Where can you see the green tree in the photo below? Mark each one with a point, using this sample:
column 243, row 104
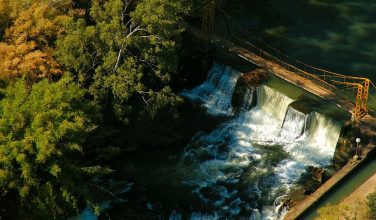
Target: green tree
column 128, row 55
column 371, row 203
column 42, row 129
column 356, row 210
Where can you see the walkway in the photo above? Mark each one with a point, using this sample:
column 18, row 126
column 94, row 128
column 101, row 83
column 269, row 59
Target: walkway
column 361, row 193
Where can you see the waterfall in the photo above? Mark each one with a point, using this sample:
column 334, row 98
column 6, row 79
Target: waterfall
column 248, row 98
column 243, row 166
column 322, row 131
column 216, row 92
column 317, row 145
column 293, row 124
column 273, row 102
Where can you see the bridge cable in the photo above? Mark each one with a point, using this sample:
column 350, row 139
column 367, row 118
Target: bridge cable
column 326, row 73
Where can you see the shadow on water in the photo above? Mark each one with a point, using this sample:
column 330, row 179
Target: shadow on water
column 337, row 36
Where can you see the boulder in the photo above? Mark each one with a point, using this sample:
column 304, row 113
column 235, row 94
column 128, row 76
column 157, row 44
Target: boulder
column 245, row 93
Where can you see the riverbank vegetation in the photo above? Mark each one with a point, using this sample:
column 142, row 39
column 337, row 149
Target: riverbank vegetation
column 358, row 210
column 81, row 81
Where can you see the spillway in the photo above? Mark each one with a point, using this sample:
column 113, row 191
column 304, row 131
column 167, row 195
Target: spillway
column 216, row 92
column 247, row 164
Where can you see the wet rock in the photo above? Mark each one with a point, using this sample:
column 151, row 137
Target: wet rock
column 213, row 193
column 245, row 95
column 317, row 174
column 254, row 78
column 223, row 147
column 312, row 179
column 285, row 204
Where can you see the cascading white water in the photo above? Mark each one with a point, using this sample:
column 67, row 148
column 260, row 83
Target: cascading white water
column 263, row 149
column 317, row 145
column 323, row 131
column 293, row 124
column 248, row 98
column 273, row 102
column 216, row 92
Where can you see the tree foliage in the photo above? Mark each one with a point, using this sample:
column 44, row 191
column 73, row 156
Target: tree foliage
column 42, row 129
column 127, row 53
column 358, row 210
column 121, row 54
column 371, row 203
column 28, row 47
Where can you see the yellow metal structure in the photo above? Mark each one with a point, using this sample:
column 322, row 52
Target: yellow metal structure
column 359, row 104
column 339, row 84
column 365, row 94
column 208, row 18
column 361, row 98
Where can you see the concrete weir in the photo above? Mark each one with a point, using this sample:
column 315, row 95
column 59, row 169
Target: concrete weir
column 287, row 73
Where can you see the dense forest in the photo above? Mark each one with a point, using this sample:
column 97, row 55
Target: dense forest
column 80, row 81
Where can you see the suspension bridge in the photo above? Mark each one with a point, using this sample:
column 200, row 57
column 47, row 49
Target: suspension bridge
column 351, row 93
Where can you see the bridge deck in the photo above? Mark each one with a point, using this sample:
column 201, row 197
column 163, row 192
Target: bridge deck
column 287, row 75
column 368, row 122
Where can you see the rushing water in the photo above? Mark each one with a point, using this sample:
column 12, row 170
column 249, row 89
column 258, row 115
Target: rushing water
column 246, row 165
column 248, row 97
column 216, row 92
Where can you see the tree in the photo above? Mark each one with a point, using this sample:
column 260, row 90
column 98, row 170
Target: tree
column 128, row 56
column 357, row 210
column 371, row 203
column 29, row 42
column 42, row 129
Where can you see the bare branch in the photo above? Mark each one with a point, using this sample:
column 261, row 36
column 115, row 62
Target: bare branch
column 138, row 28
column 118, row 59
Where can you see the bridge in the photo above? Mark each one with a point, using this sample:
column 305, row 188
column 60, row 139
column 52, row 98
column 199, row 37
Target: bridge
column 350, row 93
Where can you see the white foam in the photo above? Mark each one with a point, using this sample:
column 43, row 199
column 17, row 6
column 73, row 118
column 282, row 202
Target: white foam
column 309, row 140
column 216, row 92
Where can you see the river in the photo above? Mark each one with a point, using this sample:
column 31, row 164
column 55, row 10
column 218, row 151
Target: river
column 244, row 166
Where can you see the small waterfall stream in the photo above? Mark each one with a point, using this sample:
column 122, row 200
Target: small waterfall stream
column 249, row 96
column 273, row 102
column 216, row 92
column 244, row 166
column 293, row 124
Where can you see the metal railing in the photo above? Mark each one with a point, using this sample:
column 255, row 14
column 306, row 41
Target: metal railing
column 339, row 84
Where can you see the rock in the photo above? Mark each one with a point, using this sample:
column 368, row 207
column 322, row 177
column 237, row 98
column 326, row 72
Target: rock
column 317, row 174
column 312, row 179
column 245, row 93
column 254, row 78
column 285, row 204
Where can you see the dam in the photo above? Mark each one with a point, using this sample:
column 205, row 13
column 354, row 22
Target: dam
column 322, row 86
column 262, row 151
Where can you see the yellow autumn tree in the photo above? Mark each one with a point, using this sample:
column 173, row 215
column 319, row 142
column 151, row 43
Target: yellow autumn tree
column 27, row 47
